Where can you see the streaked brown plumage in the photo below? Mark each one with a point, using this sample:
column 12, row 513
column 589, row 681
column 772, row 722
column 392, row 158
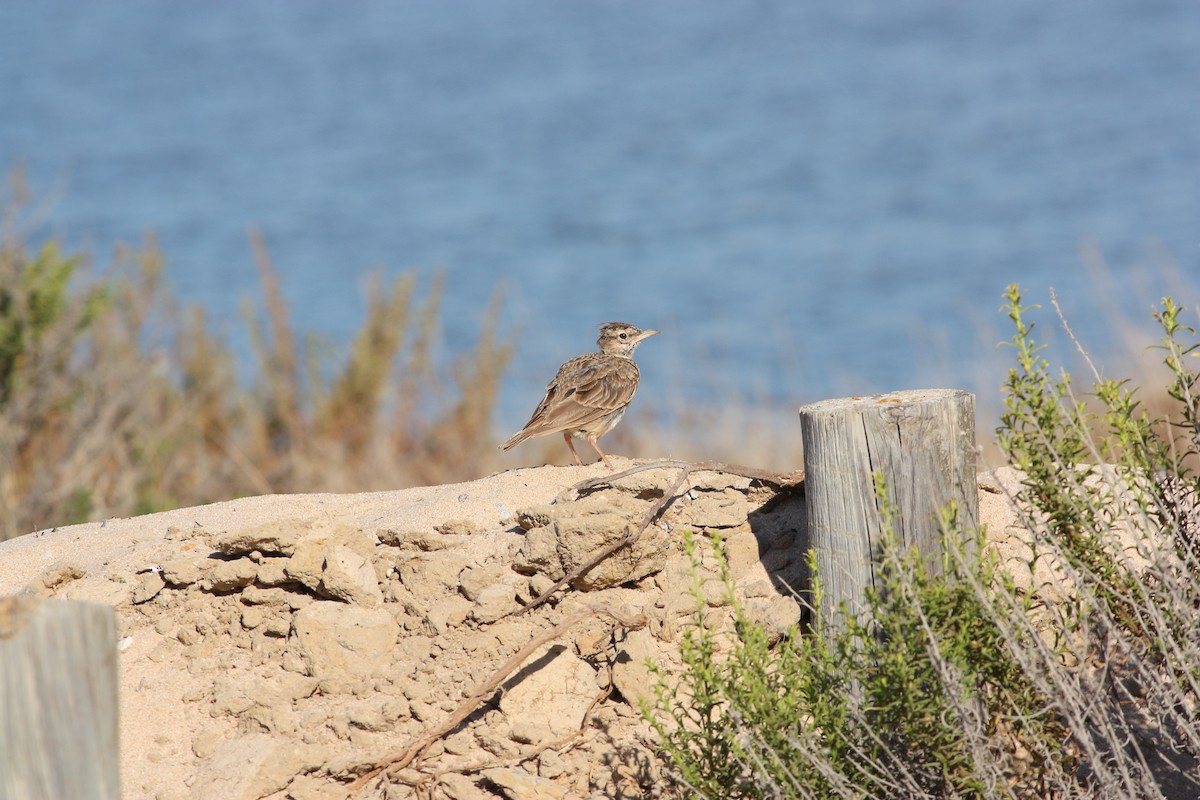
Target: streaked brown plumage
column 590, row 393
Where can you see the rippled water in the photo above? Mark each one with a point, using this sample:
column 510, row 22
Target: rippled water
column 809, row 199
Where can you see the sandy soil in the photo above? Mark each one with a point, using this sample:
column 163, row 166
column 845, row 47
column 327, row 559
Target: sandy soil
column 281, row 646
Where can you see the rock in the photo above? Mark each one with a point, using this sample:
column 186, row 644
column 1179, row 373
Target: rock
column 307, row 563
column 147, row 586
column 583, row 534
column 427, row 541
column 227, row 576
column 539, row 554
column 777, row 616
column 273, row 537
column 253, row 766
column 553, row 688
column 593, row 640
column 309, row 787
column 273, row 572
column 54, row 578
column 495, row 602
column 428, row 575
column 473, row 580
column 741, row 552
column 448, row 613
column 340, row 642
column 534, row 517
column 207, row 741
column 253, row 595
column 335, row 563
column 183, row 571
column 517, row 784
column 530, row 732
column 456, row 527
column 540, row 584
column 234, row 694
column 631, row 676
column 717, row 509
column 460, row 787
column 349, row 576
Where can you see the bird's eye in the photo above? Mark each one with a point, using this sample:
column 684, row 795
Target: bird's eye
column 623, row 335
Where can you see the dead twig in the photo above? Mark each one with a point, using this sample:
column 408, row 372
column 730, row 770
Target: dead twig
column 414, row 750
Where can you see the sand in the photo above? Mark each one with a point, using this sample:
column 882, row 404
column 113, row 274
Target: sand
column 280, row 646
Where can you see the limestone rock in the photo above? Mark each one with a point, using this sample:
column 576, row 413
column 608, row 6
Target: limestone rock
column 428, row 575
column 147, row 586
column 449, row 613
column 340, row 642
column 457, row 527
column 495, row 602
column 777, row 616
column 460, row 787
column 273, row 572
column 580, row 537
column 349, row 576
column 307, row 563
column 534, row 517
column 273, row 537
column 539, row 553
column 724, row 509
column 517, row 784
column 227, row 576
column 631, row 676
column 554, row 688
column 310, row 787
column 473, row 580
column 580, row 530
column 419, row 540
column 253, row 766
column 741, row 551
column 183, row 572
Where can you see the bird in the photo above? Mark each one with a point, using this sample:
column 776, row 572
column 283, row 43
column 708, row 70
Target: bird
column 590, row 393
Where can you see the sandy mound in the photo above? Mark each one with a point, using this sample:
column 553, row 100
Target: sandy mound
column 283, row 646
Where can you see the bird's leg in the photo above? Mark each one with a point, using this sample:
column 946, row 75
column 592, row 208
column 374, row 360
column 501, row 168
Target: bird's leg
column 570, row 444
column 592, row 441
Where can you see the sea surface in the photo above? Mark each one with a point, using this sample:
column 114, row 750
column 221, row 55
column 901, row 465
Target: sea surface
column 808, row 199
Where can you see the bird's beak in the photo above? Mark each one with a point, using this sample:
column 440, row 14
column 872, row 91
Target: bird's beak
column 646, row 335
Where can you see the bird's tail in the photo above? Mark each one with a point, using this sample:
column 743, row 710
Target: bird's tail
column 515, row 440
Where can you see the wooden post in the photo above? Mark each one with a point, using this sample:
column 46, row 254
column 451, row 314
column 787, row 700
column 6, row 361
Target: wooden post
column 58, row 700
column 923, row 442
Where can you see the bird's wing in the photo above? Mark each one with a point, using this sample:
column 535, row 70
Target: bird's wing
column 585, row 389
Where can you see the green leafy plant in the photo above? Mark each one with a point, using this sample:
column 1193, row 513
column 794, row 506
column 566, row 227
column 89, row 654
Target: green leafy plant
column 913, row 699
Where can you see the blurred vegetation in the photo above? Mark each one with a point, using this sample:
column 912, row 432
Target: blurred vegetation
column 114, row 400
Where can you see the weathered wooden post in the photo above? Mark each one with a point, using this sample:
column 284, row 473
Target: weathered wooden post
column 58, row 700
column 922, row 441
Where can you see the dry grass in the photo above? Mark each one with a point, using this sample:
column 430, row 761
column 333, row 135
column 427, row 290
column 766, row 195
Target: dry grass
column 115, row 401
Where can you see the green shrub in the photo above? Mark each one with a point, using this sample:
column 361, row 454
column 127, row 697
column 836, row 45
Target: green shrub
column 908, row 699
column 961, row 684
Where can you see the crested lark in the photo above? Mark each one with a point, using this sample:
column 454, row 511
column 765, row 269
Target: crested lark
column 590, row 393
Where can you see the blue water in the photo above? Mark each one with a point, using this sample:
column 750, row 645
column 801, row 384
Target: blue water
column 809, row 199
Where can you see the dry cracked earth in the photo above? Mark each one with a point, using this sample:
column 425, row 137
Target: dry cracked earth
column 294, row 655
